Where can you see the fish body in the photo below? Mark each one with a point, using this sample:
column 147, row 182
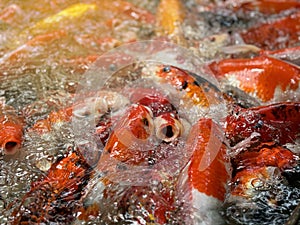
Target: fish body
column 271, row 123
column 267, row 35
column 263, row 78
column 203, row 184
column 58, row 193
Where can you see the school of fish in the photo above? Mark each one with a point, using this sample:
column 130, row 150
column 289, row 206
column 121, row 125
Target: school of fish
column 161, row 155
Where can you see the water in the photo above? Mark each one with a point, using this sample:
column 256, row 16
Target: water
column 272, row 204
column 41, row 76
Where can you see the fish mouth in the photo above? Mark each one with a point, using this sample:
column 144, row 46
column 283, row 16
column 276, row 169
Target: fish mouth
column 10, row 146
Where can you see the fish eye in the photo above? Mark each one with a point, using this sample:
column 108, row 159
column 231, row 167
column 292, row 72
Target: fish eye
column 259, row 124
column 166, row 69
column 256, row 183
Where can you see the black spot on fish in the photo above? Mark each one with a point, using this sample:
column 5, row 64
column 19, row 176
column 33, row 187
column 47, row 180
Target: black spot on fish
column 78, row 164
column 206, row 89
column 279, row 112
column 196, row 83
column 184, row 85
column 293, row 176
column 59, row 158
column 151, row 161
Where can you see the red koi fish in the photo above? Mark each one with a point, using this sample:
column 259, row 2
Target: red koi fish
column 268, row 36
column 271, row 123
column 56, row 197
column 267, row 6
column 11, row 130
column 264, row 78
column 148, row 121
column 95, row 106
column 131, row 134
column 136, row 140
column 259, row 184
column 203, row 185
column 167, row 125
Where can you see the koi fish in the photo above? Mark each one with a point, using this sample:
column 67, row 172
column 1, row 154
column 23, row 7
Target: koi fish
column 169, row 17
column 267, row 35
column 193, row 93
column 11, row 130
column 203, row 184
column 149, row 126
column 91, row 106
column 55, row 198
column 259, row 184
column 271, row 123
column 267, row 6
column 131, row 135
column 148, row 121
column 69, row 14
column 31, row 45
column 264, row 78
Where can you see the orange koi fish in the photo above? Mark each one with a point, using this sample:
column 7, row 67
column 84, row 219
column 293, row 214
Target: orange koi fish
column 264, row 78
column 169, row 18
column 193, row 93
column 259, row 184
column 11, row 130
column 203, row 185
column 267, row 35
column 55, row 198
column 95, row 106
